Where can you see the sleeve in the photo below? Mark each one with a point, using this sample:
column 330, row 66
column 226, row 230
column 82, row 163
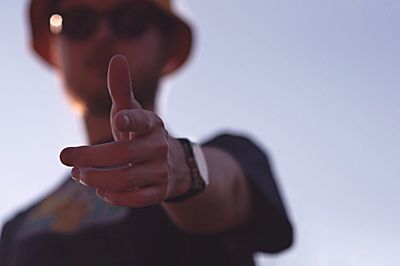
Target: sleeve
column 4, row 244
column 269, row 229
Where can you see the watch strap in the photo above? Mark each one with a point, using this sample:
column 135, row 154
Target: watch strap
column 198, row 184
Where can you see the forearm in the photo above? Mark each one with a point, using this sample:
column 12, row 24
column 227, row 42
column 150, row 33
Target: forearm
column 224, row 204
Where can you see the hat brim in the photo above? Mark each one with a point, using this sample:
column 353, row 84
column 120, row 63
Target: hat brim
column 182, row 35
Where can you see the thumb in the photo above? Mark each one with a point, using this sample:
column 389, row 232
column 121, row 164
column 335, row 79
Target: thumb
column 119, row 84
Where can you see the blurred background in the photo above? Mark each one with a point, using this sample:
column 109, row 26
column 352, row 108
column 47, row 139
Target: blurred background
column 314, row 82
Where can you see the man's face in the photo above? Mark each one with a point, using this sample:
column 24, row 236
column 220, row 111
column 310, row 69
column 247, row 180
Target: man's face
column 83, row 62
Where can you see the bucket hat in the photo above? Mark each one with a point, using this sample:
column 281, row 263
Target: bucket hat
column 40, row 32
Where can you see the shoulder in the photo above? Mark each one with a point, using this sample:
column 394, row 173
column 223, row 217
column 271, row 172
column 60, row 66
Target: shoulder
column 14, row 223
column 235, row 142
column 250, row 155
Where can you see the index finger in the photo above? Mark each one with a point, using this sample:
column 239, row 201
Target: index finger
column 119, row 84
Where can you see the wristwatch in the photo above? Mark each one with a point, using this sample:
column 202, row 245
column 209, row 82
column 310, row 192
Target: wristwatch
column 197, row 164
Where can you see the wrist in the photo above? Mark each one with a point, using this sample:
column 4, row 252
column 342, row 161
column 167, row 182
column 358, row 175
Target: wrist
column 180, row 180
column 197, row 165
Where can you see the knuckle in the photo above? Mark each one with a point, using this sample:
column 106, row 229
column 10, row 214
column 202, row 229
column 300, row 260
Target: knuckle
column 127, row 152
column 162, row 148
column 166, row 170
column 146, row 122
column 158, row 121
column 127, row 157
column 163, row 172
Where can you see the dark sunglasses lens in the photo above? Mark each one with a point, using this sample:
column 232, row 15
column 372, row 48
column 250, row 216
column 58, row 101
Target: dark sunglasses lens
column 130, row 22
column 79, row 23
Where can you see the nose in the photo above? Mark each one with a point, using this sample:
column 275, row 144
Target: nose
column 104, row 31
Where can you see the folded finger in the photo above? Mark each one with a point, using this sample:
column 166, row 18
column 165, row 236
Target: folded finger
column 119, row 179
column 138, row 121
column 139, row 198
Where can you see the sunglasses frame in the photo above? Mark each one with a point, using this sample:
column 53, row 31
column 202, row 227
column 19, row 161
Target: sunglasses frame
column 148, row 14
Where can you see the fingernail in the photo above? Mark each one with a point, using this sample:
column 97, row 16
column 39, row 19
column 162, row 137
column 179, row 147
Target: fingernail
column 106, row 195
column 101, row 192
column 75, row 174
column 82, row 181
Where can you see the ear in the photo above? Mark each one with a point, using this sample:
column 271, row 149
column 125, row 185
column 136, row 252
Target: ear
column 172, row 55
column 170, row 65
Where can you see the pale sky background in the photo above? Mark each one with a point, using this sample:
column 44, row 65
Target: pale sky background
column 314, row 82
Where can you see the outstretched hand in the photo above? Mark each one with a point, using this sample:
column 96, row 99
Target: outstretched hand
column 143, row 165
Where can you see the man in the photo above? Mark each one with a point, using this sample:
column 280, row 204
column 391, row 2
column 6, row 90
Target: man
column 141, row 196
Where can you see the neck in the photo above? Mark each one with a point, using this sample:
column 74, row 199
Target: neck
column 98, row 128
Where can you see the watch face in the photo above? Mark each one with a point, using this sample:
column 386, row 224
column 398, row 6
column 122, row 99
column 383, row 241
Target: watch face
column 201, row 162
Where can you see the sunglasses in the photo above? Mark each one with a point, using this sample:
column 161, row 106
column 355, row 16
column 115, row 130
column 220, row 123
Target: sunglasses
column 81, row 23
